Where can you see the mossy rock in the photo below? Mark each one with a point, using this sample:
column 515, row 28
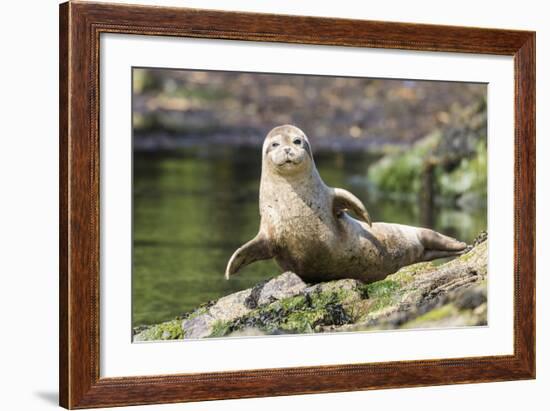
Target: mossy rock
column 300, row 314
column 170, row 330
column 417, row 296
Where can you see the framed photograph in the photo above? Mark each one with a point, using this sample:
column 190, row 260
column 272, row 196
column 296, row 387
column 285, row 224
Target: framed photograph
column 259, row 205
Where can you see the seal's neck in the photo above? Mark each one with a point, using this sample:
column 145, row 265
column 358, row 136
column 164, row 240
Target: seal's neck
column 277, row 190
column 302, row 180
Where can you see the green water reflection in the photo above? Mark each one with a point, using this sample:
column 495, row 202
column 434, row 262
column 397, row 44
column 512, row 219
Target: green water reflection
column 193, row 207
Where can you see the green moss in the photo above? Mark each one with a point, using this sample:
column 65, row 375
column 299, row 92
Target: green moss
column 385, row 292
column 380, row 304
column 220, row 328
column 289, row 304
column 302, row 321
column 479, row 249
column 381, row 289
column 298, row 314
column 436, row 314
column 345, row 294
column 406, row 274
column 170, row 330
column 322, row 299
column 380, row 293
column 199, row 311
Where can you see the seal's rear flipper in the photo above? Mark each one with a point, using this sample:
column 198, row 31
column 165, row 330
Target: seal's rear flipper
column 437, row 245
column 433, row 240
column 430, row 255
column 255, row 250
column 344, row 200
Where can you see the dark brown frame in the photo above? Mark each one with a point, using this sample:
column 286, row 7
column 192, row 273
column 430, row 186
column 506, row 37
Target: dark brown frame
column 80, row 27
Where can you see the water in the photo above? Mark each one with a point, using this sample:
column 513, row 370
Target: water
column 194, row 207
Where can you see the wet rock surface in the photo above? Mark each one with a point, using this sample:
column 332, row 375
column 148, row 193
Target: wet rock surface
column 425, row 295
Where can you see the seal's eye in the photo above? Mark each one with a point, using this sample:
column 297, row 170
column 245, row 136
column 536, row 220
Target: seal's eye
column 297, row 141
column 274, row 144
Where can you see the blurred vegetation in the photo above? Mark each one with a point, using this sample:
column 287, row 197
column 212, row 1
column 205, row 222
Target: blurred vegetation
column 197, row 161
column 450, row 164
column 400, row 172
column 171, row 106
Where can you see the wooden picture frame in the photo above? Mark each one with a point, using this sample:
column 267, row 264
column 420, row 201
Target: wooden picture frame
column 80, row 27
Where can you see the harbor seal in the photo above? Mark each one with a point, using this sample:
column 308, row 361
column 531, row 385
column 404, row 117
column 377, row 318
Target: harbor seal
column 306, row 228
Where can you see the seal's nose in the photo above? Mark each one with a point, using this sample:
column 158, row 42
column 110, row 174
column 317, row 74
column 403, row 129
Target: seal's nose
column 287, row 150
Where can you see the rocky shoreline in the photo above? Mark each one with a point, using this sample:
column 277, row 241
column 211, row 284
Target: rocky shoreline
column 424, row 295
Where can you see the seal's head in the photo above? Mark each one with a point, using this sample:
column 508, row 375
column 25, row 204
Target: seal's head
column 286, row 150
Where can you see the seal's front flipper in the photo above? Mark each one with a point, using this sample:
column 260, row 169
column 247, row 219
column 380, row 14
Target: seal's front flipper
column 255, row 250
column 344, row 200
